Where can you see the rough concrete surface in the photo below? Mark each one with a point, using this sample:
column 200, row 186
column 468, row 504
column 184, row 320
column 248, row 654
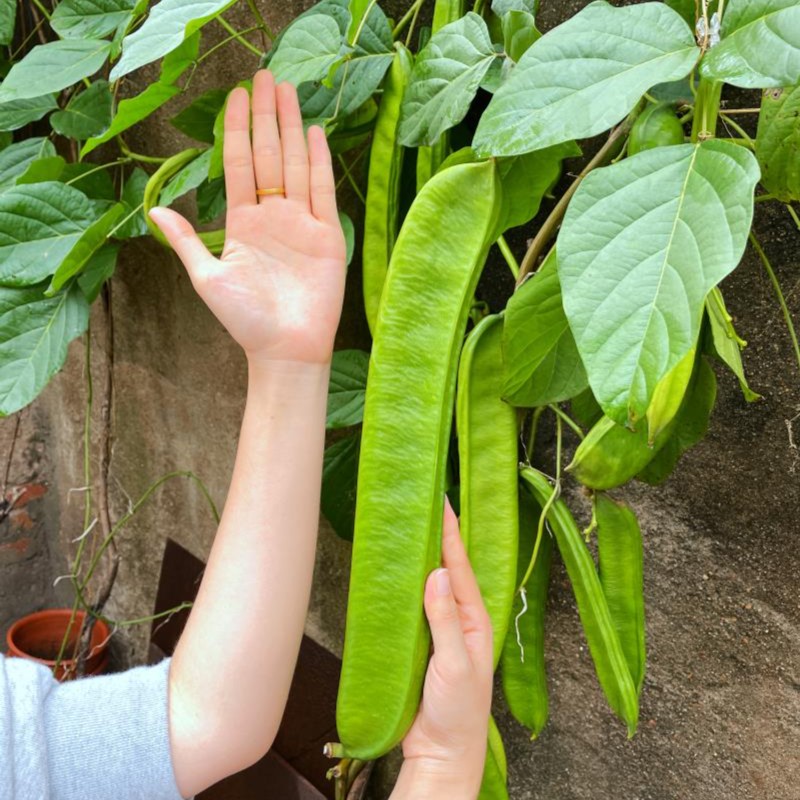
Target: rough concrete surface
column 721, row 703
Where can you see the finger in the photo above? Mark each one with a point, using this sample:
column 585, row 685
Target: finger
column 293, row 143
column 183, row 240
column 267, row 155
column 454, row 557
column 444, row 620
column 323, row 185
column 240, row 184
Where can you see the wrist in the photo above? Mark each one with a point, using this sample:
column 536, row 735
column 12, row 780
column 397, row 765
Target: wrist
column 433, row 778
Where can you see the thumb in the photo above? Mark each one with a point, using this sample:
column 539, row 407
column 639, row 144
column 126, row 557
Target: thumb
column 442, row 612
column 181, row 236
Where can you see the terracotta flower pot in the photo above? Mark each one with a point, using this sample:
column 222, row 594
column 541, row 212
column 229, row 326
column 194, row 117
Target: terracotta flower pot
column 38, row 637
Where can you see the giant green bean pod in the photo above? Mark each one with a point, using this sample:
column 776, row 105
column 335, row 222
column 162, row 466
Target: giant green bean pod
column 487, row 453
column 429, row 159
column 408, row 410
column 381, row 218
column 604, row 645
column 619, row 551
column 524, row 674
column 495, row 771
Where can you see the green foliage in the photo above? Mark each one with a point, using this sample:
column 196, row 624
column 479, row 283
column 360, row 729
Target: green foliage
column 16, row 114
column 17, row 158
column 87, row 113
column 348, row 382
column 778, row 142
column 90, row 19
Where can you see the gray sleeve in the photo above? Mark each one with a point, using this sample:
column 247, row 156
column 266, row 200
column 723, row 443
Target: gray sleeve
column 104, row 737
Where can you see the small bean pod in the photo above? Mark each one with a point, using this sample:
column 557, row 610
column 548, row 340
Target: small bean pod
column 604, row 645
column 657, row 126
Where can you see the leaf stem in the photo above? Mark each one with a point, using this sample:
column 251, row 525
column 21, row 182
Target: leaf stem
column 352, row 180
column 559, row 412
column 262, row 23
column 706, row 110
column 97, row 169
column 762, row 198
column 138, row 156
column 779, row 292
column 615, row 139
column 508, row 256
column 223, row 43
column 407, row 17
column 738, row 128
column 41, row 8
column 793, row 215
column 238, row 36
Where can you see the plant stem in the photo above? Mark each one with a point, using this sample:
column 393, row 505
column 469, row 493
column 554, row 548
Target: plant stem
column 352, row 166
column 762, row 198
column 138, row 156
column 352, row 180
column 615, row 139
column 779, row 292
column 559, row 412
column 97, row 169
column 238, row 36
column 45, row 13
column 407, row 17
column 361, row 23
column 262, row 23
column 477, row 8
column 224, row 42
column 738, row 128
column 508, row 256
column 125, row 219
column 793, row 215
column 532, row 435
column 740, row 111
column 412, row 26
column 706, row 110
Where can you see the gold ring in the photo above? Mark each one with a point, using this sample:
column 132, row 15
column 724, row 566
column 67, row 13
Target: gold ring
column 265, row 192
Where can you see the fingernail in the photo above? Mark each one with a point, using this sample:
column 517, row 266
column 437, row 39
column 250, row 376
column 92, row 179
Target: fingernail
column 442, row 583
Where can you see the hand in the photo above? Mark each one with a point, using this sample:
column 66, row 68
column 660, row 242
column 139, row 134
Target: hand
column 279, row 284
column 446, row 745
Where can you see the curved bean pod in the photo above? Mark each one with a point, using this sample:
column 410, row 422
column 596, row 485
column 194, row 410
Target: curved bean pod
column 487, row 449
column 434, row 269
column 495, row 772
column 604, row 645
column 381, row 218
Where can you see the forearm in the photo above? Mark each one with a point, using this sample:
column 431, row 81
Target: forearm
column 233, row 666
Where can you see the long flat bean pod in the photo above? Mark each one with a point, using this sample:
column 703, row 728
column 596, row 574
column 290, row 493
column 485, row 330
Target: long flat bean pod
column 487, row 449
column 619, row 551
column 429, row 159
column 495, row 771
column 604, row 645
column 408, row 409
column 523, row 673
column 381, row 217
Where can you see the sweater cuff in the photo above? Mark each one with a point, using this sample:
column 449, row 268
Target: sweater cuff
column 109, row 736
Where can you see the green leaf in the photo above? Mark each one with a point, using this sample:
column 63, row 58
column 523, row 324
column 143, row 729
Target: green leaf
column 39, row 224
column 85, row 177
column 87, row 114
column 503, row 7
column 760, row 45
column 527, row 179
column 169, row 23
column 725, row 343
column 691, row 425
column 584, row 76
column 8, row 15
column 445, row 79
column 43, row 169
column 541, row 360
column 35, row 332
column 89, row 19
column 519, row 33
column 778, row 142
column 642, row 244
column 210, row 199
column 54, row 66
column 349, row 236
column 17, row 158
column 85, row 248
column 357, row 9
column 190, row 177
column 197, row 119
column 97, row 271
column 686, row 8
column 135, row 109
column 348, row 382
column 339, row 480
column 133, row 198
column 15, row 114
column 308, row 49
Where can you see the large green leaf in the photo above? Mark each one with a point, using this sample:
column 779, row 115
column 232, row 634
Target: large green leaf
column 43, row 169
column 339, row 484
column 39, row 224
column 308, row 49
column 8, row 15
column 86, row 247
column 584, row 76
column 15, row 114
column 541, row 361
column 778, row 142
column 87, row 114
column 502, row 7
column 17, row 158
column 642, row 244
column 348, row 382
column 169, row 23
column 197, row 119
column 89, row 19
column 445, row 79
column 133, row 200
column 98, row 270
column 35, row 332
column 135, row 109
column 54, row 66
column 760, row 45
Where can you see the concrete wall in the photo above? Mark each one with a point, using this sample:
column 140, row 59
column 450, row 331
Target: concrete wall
column 721, row 704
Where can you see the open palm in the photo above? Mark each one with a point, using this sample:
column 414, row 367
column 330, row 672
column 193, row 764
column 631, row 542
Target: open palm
column 279, row 283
